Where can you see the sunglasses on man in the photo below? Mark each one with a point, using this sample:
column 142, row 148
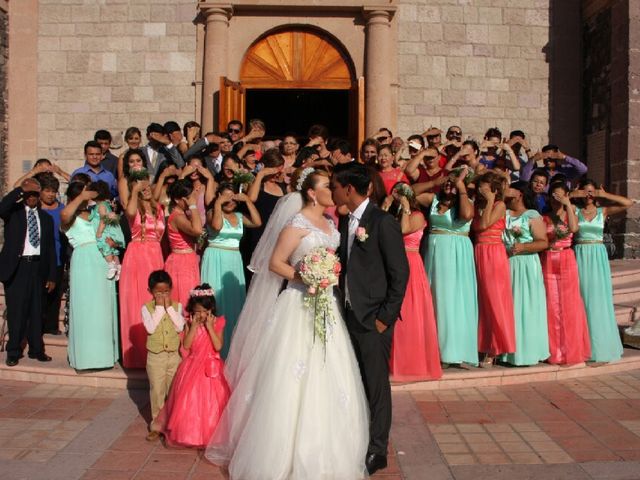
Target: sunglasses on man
column 233, row 130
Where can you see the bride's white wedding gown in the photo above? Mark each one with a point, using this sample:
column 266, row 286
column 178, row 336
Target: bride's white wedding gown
column 298, row 411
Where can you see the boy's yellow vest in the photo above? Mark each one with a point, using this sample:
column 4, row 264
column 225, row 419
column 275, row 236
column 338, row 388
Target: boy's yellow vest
column 165, row 338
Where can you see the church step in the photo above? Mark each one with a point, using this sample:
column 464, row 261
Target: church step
column 625, row 271
column 629, row 294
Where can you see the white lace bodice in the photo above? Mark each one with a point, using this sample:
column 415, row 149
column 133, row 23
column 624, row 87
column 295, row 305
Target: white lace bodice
column 315, row 238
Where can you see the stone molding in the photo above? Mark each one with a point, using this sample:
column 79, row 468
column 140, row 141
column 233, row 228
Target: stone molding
column 316, row 5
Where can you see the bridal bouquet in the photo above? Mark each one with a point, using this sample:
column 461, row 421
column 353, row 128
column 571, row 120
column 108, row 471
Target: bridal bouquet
column 111, row 218
column 319, row 270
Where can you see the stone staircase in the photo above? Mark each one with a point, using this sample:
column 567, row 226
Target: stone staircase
column 626, row 298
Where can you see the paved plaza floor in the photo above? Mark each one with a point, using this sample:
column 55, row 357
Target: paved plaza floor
column 574, row 429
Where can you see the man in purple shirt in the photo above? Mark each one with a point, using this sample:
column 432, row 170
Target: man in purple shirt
column 93, row 167
column 555, row 162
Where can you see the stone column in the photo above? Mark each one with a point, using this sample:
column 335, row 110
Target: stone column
column 377, row 69
column 215, row 59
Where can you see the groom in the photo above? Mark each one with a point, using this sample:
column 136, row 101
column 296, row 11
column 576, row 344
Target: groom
column 373, row 281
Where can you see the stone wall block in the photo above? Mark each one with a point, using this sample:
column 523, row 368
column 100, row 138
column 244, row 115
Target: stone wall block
column 181, row 62
column 477, row 34
column 538, row 17
column 490, row 15
column 430, row 32
column 114, row 13
column 70, row 44
column 130, row 62
column 498, row 35
column 410, row 32
column 54, row 14
column 531, row 100
column 452, row 14
column 428, row 110
column 516, row 68
column 434, row 66
column 156, row 29
column 432, row 97
column 48, row 93
column 519, row 36
column 47, row 44
column 85, row 13
column 460, row 83
column 52, row 62
column 163, row 13
column 408, row 64
column 453, row 97
column 455, row 33
column 475, row 67
column 429, row 14
column 455, row 65
column 446, row 111
column 482, row 50
column 413, row 48
column 142, row 107
column 173, row 93
column 477, row 97
column 514, row 16
column 408, row 12
column 470, row 14
column 413, row 96
column 139, row 13
column 122, row 94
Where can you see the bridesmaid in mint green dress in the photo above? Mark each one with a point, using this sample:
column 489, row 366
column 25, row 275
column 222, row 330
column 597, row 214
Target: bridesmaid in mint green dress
column 222, row 266
column 594, row 270
column 451, row 269
column 93, row 317
column 525, row 236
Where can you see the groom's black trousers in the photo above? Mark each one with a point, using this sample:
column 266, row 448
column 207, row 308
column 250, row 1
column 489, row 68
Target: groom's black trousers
column 373, row 351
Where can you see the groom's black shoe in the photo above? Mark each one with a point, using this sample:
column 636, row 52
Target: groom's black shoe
column 375, row 462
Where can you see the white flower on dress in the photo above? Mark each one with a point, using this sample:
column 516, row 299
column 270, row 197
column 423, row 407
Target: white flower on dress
column 299, row 369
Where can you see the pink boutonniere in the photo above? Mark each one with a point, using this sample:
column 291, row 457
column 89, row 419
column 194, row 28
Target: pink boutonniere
column 361, row 234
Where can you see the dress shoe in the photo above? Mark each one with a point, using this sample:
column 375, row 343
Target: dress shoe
column 42, row 357
column 153, row 436
column 11, row 361
column 375, row 462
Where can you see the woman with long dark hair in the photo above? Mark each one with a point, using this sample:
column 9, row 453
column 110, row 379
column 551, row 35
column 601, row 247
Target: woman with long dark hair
column 594, row 269
column 524, row 237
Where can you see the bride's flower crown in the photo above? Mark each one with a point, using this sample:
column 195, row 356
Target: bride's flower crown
column 202, row 293
column 303, row 176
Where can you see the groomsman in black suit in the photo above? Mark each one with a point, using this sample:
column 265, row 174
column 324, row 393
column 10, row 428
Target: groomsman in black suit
column 28, row 260
column 373, row 279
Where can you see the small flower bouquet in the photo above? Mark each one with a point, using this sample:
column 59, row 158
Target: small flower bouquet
column 516, row 232
column 560, row 231
column 139, row 174
column 319, row 270
column 111, row 218
column 404, row 190
column 468, row 178
column 242, row 179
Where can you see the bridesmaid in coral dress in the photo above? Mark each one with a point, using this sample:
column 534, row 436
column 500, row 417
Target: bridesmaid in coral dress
column 415, row 354
column 496, row 324
column 199, row 391
column 143, row 256
column 183, row 264
column 567, row 319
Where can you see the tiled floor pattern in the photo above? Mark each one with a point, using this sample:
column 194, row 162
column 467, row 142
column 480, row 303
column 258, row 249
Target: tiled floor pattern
column 37, row 421
column 594, row 419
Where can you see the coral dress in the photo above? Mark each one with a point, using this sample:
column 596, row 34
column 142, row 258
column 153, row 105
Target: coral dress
column 529, row 299
column 452, row 274
column 183, row 264
column 222, row 269
column 199, row 394
column 496, row 324
column 391, row 177
column 596, row 289
column 566, row 316
column 415, row 354
column 143, row 256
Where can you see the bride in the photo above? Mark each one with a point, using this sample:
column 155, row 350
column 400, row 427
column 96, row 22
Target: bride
column 298, row 408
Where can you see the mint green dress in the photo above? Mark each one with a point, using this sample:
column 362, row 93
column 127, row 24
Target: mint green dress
column 529, row 297
column 451, row 269
column 93, row 310
column 222, row 268
column 595, row 286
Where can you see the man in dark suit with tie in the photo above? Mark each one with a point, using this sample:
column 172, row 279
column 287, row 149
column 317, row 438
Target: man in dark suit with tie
column 159, row 149
column 373, row 280
column 28, row 260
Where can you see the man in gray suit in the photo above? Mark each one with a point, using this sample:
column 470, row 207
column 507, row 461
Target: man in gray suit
column 159, row 149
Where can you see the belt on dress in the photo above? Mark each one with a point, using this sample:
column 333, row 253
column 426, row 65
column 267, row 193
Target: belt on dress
column 480, row 242
column 85, row 243
column 144, row 240
column 587, row 242
column 444, row 232
column 30, row 258
column 412, row 249
column 182, row 250
column 556, row 249
column 222, row 247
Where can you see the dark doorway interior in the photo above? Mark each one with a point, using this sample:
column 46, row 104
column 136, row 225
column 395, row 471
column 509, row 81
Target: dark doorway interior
column 287, row 111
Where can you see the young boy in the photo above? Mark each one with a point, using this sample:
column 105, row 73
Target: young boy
column 163, row 320
column 51, row 300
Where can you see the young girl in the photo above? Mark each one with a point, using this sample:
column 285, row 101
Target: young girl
column 108, row 232
column 199, row 392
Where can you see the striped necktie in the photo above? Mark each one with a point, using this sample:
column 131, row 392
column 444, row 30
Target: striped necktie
column 32, row 228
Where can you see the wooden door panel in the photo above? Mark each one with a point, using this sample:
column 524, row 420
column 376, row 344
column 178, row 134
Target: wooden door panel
column 295, row 59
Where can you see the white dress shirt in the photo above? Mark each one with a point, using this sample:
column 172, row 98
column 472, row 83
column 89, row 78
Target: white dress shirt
column 354, row 223
column 152, row 320
column 28, row 248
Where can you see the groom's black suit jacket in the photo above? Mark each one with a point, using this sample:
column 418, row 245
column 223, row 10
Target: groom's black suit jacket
column 377, row 269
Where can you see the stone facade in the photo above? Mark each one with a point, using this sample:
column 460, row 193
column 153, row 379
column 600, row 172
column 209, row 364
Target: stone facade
column 111, row 64
column 477, row 64
column 4, row 56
